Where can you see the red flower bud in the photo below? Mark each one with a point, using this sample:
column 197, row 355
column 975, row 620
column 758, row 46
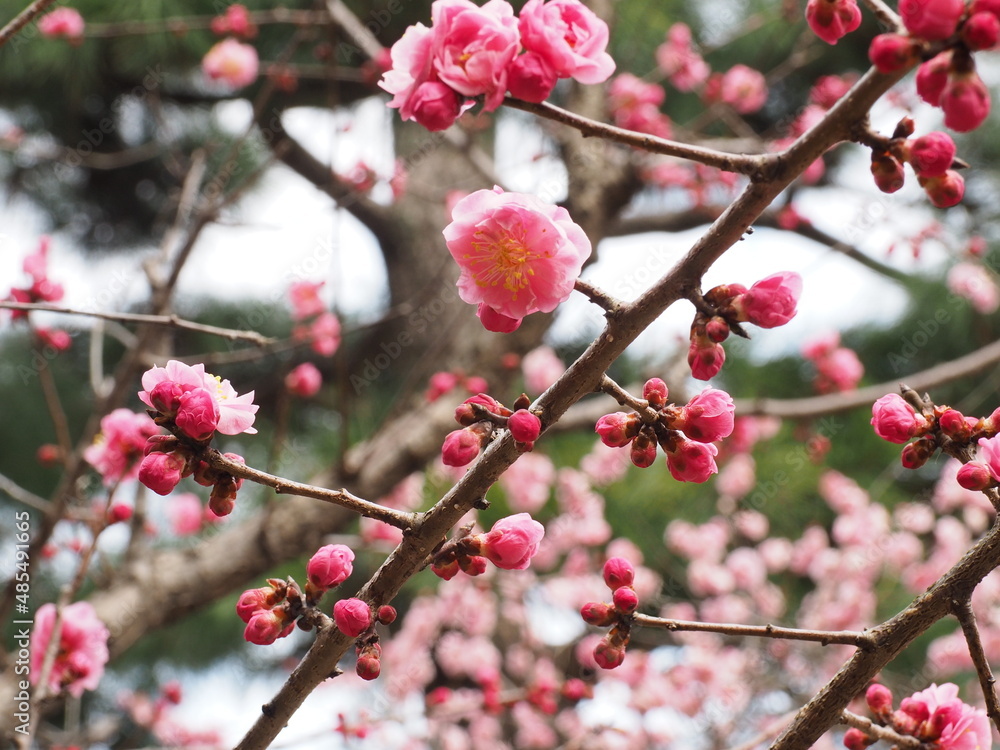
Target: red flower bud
column 608, row 656
column 974, row 476
column 598, row 613
column 655, row 392
column 892, row 52
column 932, row 155
column 888, row 172
column 524, row 426
column 879, row 699
column 855, row 739
column 618, row 572
column 944, row 191
column 981, row 31
column 625, row 600
column 353, row 616
column 643, row 452
column 386, row 614
column 368, row 667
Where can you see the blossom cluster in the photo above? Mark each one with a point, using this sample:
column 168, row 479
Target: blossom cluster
column 445, row 381
column 837, row 367
column 935, row 716
column 619, row 575
column 943, row 33
column 518, row 254
column 769, row 303
column 230, row 61
column 119, row 446
column 193, row 405
column 313, row 321
column 472, row 51
column 509, row 545
column 895, row 419
column 686, row 433
column 480, row 415
column 80, row 654
column 931, row 156
column 40, row 290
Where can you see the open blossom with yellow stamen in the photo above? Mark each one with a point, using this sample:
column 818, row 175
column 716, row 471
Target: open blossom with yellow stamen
column 518, row 255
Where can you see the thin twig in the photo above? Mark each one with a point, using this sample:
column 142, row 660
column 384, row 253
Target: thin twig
column 22, row 19
column 825, row 637
column 23, row 496
column 598, row 296
column 747, row 164
column 343, row 498
column 179, row 25
column 54, row 405
column 171, row 321
column 967, row 619
column 877, row 731
column 885, row 15
column 352, row 26
column 625, row 398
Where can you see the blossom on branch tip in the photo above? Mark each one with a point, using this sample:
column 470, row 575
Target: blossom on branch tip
column 518, row 254
column 330, row 566
column 895, row 420
column 707, row 417
column 524, row 426
column 618, row 572
column 770, row 302
column 353, row 616
column 161, row 472
column 569, row 36
column 164, row 387
column 692, row 461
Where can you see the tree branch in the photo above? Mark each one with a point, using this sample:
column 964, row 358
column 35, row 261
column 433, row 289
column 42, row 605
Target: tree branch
column 824, row 637
column 967, row 619
column 22, row 19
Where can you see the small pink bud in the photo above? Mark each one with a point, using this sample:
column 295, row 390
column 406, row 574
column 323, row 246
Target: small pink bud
column 304, row 381
column 618, row 572
column 353, row 616
column 472, row 565
column 253, row 601
column 513, row 541
column 894, row 419
column 165, row 397
column 530, row 78
column 625, row 599
column 386, row 614
column 717, row 329
column 197, row 414
column 161, row 472
column 524, row 426
column 981, row 31
column 330, row 566
column 965, row 101
column 888, row 172
column 879, row 699
column 770, row 302
column 932, row 155
column 985, row 6
column 368, row 667
column 608, row 656
column 932, row 77
column 931, row 19
column 461, row 447
column 832, row 19
column 705, row 358
column 598, row 614
column 265, row 627
column 618, row 430
column 916, row 453
column 643, row 451
column 691, row 461
column 707, row 417
column 892, row 52
column 974, row 476
column 575, row 689
column 446, row 570
column 855, row 739
column 945, row 191
column 916, row 709
column 119, row 512
column 439, row 384
column 953, row 424
column 655, row 392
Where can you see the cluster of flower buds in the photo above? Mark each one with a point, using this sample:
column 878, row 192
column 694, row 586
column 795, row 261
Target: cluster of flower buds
column 706, row 418
column 944, row 34
column 832, row 19
column 479, row 416
column 235, row 21
column 769, row 303
column 931, row 156
column 445, row 381
column 618, row 575
column 934, row 716
column 313, row 321
column 898, row 420
column 509, row 545
column 167, row 461
column 41, row 289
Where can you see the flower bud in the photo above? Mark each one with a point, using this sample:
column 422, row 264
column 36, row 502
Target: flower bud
column 472, row 565
column 265, row 627
column 892, row 52
column 974, row 476
column 619, row 429
column 608, row 656
column 445, row 570
column 330, row 566
column 932, row 155
column 304, row 381
column 513, row 541
column 894, row 419
column 931, row 19
column 855, row 739
column 717, row 329
column 643, row 452
column 916, row 453
column 705, row 358
column 945, row 191
column 707, row 417
column 524, row 426
column 161, row 472
column 253, row 601
column 461, row 447
column 691, row 461
column 575, row 689
column 953, row 424
column 932, row 77
column 965, row 101
column 981, row 31
column 368, row 667
column 530, row 78
column 598, row 613
column 655, row 392
column 618, row 572
column 353, row 616
column 879, row 699
column 888, row 172
column 625, row 599
column 770, row 302
column 386, row 614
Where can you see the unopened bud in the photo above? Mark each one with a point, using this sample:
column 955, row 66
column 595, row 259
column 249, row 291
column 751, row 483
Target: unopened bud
column 368, row 667
column 575, row 689
column 524, row 426
column 386, row 614
column 617, row 430
column 625, row 600
column 608, row 656
column 916, row 453
column 655, row 392
column 879, row 699
column 855, row 739
column 717, row 330
column 598, row 614
column 472, row 565
column 618, row 572
column 974, row 476
column 953, row 424
column 643, row 453
column 888, row 172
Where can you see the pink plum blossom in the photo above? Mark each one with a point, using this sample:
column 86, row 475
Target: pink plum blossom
column 161, row 472
column 894, row 419
column 330, row 566
column 304, row 381
column 524, row 426
column 266, row 626
column 185, row 514
column 708, row 416
column 958, row 726
column 635, row 105
column 530, row 78
column 413, row 82
column 692, row 461
column 118, row 448
column 163, row 388
column 512, row 541
column 305, row 300
column 569, row 37
column 353, row 616
column 973, row 282
column 989, row 454
column 677, row 60
column 965, row 101
column 931, row 19
column 743, row 88
column 518, row 255
column 542, row 367
column 231, row 62
column 62, row 22
column 473, row 46
column 82, row 650
column 771, row 302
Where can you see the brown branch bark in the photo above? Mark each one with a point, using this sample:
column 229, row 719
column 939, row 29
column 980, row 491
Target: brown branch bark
column 824, row 637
